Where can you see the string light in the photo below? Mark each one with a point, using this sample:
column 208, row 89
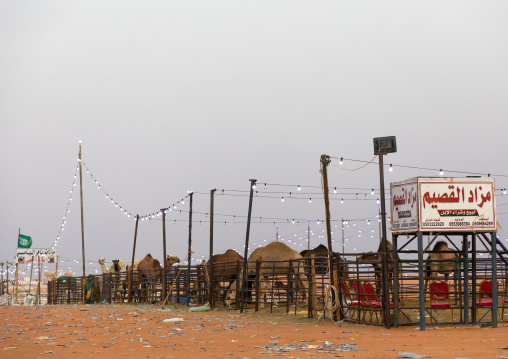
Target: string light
column 441, row 172
column 340, row 162
column 391, row 168
column 299, row 188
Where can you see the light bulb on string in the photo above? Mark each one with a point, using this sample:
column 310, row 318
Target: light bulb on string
column 441, row 172
column 310, row 200
column 282, row 199
column 340, row 162
column 289, row 194
column 391, row 168
column 222, row 191
column 256, row 193
column 335, row 190
column 372, row 192
column 299, row 188
column 265, row 185
column 342, row 200
column 254, row 186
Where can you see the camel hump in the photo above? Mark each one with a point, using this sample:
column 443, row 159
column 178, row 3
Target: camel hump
column 149, row 255
column 441, row 246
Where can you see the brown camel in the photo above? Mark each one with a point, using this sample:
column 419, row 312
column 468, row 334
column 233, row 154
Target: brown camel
column 150, row 274
column 440, row 253
column 377, row 263
column 274, row 259
column 224, row 270
column 321, row 264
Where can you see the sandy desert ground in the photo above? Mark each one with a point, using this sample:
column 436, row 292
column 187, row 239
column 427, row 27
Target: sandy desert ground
column 139, row 331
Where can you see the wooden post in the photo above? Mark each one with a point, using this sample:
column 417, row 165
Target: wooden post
column 189, row 259
column 132, row 263
column 38, row 290
column 257, row 286
column 325, row 160
column 313, row 287
column 211, row 300
column 244, row 277
column 17, row 281
column 81, row 200
column 164, row 271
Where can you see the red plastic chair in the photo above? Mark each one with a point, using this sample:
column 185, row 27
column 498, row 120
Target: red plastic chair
column 373, row 298
column 439, row 292
column 356, row 294
column 348, row 302
column 484, row 295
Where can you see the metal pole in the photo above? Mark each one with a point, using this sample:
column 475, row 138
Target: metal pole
column 473, row 278
column 325, row 160
column 82, row 223
column 493, row 240
column 132, row 262
column 465, row 264
column 386, row 294
column 308, row 236
column 421, row 284
column 164, row 271
column 2, row 287
column 395, row 283
column 210, row 269
column 7, row 267
column 246, row 254
column 343, row 247
column 190, row 249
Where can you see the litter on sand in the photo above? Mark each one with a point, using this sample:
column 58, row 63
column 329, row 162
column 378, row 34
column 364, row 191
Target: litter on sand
column 413, row 355
column 172, row 320
column 200, row 309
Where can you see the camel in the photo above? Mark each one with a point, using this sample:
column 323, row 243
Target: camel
column 274, row 259
column 224, row 270
column 321, row 265
column 149, row 269
column 376, row 259
column 440, row 252
column 150, row 273
column 117, row 268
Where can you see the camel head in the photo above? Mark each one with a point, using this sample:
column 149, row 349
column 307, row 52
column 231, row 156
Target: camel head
column 116, row 263
column 102, row 261
column 170, row 260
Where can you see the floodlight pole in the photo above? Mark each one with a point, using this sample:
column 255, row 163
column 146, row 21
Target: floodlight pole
column 386, row 294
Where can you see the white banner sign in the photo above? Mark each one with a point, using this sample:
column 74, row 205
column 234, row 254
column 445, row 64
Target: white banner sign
column 457, row 204
column 27, row 255
column 404, row 206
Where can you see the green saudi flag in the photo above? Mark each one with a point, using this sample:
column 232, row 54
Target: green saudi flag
column 24, row 241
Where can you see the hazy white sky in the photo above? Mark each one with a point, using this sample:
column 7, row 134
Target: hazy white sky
column 193, row 95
